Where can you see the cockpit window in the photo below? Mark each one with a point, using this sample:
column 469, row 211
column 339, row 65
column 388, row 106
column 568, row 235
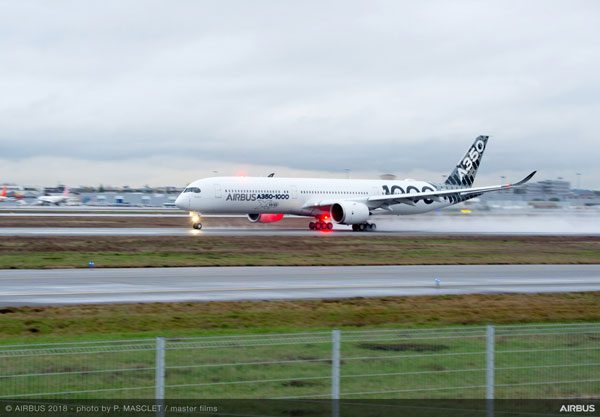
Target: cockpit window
column 192, row 190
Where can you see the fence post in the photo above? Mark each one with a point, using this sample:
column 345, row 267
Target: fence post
column 335, row 372
column 160, row 369
column 490, row 367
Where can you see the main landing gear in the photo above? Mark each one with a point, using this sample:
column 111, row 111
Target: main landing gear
column 320, row 225
column 197, row 225
column 362, row 227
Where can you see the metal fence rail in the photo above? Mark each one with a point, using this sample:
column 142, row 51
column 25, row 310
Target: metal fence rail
column 517, row 361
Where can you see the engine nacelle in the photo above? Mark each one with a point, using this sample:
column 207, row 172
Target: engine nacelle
column 265, row 217
column 349, row 212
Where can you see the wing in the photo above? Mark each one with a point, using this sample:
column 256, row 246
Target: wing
column 377, row 201
column 436, row 195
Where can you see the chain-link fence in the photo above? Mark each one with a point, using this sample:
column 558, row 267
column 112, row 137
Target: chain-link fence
column 521, row 361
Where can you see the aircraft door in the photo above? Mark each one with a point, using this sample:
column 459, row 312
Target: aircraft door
column 218, row 191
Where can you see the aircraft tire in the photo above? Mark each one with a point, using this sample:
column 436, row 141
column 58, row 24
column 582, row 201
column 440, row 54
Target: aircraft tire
column 311, row 225
column 329, row 226
column 362, row 227
column 197, row 226
column 372, row 227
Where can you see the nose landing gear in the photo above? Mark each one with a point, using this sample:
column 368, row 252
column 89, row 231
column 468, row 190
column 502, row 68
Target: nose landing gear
column 195, row 217
column 362, row 227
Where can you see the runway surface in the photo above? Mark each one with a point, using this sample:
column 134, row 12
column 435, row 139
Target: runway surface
column 572, row 225
column 230, row 231
column 74, row 286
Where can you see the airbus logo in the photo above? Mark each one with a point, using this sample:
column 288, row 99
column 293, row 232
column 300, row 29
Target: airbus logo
column 255, row 197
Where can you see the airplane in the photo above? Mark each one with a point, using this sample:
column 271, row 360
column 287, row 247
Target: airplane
column 343, row 201
column 46, row 200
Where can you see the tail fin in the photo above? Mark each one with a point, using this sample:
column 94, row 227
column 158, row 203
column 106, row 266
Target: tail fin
column 466, row 169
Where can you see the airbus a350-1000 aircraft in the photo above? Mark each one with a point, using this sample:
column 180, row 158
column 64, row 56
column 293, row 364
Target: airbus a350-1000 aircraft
column 343, row 201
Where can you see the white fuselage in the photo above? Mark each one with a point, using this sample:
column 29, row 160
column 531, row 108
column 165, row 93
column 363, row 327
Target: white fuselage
column 298, row 196
column 52, row 199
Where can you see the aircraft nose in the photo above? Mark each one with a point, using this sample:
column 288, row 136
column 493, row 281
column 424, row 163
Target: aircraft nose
column 182, row 202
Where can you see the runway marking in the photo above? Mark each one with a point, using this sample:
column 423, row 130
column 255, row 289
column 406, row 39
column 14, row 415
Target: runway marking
column 324, row 287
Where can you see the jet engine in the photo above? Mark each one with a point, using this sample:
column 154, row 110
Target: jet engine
column 265, row 217
column 349, row 212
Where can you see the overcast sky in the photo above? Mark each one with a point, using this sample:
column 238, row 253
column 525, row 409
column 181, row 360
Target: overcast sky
column 164, row 92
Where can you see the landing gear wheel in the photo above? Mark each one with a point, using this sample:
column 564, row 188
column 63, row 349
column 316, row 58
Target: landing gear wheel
column 372, row 227
column 197, row 226
column 362, row 227
column 311, row 225
column 355, row 227
column 329, row 226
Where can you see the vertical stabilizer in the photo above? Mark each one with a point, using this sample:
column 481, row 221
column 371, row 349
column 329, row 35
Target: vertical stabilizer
column 466, row 169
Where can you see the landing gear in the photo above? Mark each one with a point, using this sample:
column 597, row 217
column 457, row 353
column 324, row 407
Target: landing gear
column 195, row 218
column 320, row 225
column 364, row 227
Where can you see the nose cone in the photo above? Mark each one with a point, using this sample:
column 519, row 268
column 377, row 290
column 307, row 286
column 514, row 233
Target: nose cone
column 182, row 202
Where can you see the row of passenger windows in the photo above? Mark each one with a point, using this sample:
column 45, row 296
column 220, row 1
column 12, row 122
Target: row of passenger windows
column 192, row 190
column 301, row 192
column 256, row 191
column 335, row 192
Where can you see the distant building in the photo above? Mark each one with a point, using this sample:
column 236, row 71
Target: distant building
column 548, row 189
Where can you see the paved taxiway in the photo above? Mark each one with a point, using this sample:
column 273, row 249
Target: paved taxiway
column 46, row 287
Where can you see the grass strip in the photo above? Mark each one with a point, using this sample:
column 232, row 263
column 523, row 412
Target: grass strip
column 123, row 251
column 106, row 321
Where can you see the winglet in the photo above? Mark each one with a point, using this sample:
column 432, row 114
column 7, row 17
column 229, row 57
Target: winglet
column 524, row 180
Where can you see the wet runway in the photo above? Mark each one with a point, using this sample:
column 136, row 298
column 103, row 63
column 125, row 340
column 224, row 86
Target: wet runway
column 230, row 231
column 166, row 231
column 432, row 224
column 74, row 286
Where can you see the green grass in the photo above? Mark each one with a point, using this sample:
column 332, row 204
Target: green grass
column 75, row 252
column 85, row 322
column 399, row 363
column 426, row 362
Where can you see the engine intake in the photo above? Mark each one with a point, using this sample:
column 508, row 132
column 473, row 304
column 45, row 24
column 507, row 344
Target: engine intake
column 265, row 217
column 349, row 212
